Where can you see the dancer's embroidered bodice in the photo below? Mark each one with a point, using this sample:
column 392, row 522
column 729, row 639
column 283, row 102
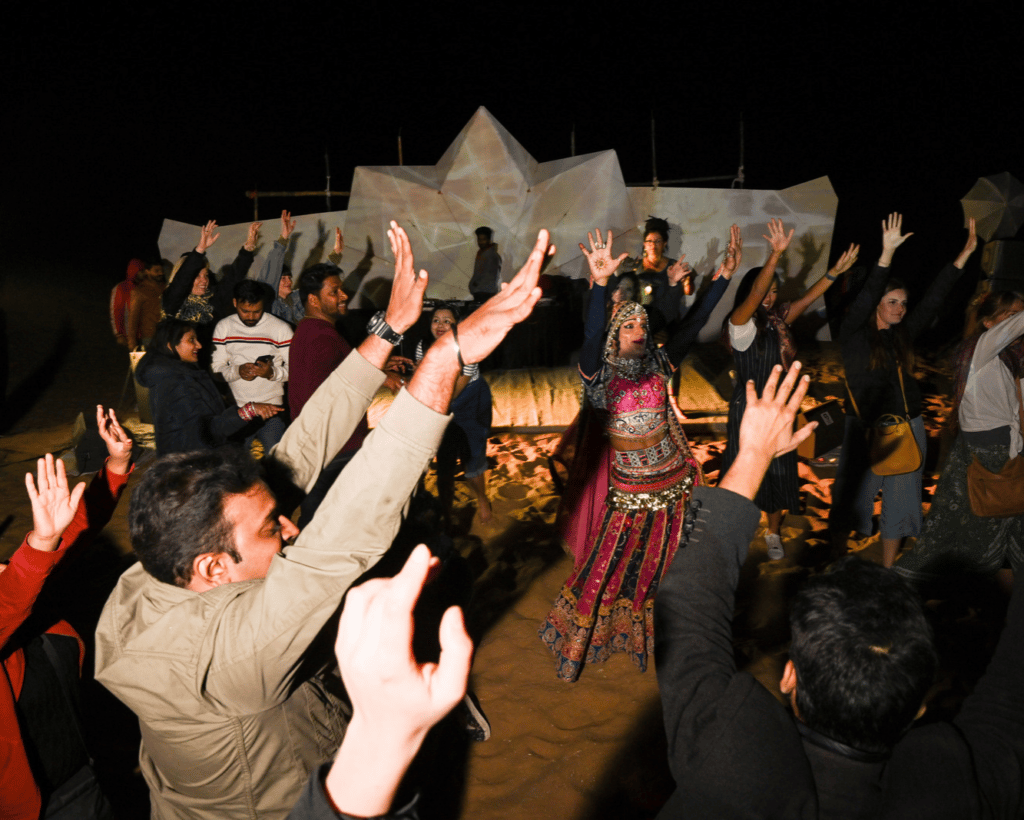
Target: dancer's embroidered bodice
column 637, row 409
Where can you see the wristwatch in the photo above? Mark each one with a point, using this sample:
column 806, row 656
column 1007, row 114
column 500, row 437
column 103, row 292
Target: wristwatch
column 379, row 327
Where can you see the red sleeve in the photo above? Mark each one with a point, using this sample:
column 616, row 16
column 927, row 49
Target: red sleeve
column 21, row 582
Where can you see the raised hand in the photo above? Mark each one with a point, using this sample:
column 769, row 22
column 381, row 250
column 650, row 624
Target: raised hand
column 766, row 430
column 892, row 231
column 970, row 246
column 339, row 242
column 481, row 332
column 733, row 254
column 395, row 699
column 287, row 224
column 777, row 236
column 845, row 262
column 207, row 236
column 408, row 287
column 599, row 257
column 119, row 445
column 678, row 271
column 53, row 506
column 253, row 237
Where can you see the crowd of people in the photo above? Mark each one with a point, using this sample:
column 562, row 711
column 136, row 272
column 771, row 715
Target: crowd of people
column 215, row 638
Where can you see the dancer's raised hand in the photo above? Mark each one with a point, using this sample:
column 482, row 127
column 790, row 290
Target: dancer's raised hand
column 599, row 257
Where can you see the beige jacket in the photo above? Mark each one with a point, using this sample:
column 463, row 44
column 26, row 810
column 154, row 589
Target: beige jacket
column 235, row 707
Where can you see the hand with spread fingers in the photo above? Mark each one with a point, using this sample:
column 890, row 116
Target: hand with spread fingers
column 599, row 257
column 481, row 332
column 53, row 505
column 408, row 287
column 777, row 236
column 766, row 430
column 395, row 699
column 845, row 262
column 892, row 237
column 207, row 236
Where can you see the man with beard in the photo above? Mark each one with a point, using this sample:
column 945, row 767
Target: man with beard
column 250, row 351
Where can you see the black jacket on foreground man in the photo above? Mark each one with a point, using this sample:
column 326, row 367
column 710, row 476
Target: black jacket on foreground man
column 735, row 751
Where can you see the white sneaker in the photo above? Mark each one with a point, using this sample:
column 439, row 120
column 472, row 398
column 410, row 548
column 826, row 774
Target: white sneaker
column 775, row 550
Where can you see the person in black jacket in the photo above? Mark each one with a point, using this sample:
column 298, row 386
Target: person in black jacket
column 877, row 339
column 188, row 412
column 860, row 662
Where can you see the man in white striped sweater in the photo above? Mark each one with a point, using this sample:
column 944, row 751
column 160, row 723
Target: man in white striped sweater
column 250, row 352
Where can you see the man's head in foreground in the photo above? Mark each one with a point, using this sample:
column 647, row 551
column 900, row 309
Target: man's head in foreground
column 199, row 520
column 862, row 657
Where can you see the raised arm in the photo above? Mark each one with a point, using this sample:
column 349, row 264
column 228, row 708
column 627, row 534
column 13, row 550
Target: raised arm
column 195, row 260
column 924, row 311
column 863, row 306
column 602, row 267
column 842, row 265
column 779, row 240
column 695, row 603
column 395, row 699
column 61, row 519
column 679, row 345
column 273, row 266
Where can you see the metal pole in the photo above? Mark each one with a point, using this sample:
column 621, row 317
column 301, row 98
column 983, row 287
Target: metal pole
column 255, row 205
column 327, row 162
column 572, row 141
column 399, row 146
column 740, row 178
column 654, row 154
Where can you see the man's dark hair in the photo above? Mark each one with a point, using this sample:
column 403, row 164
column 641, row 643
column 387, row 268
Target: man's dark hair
column 250, row 292
column 483, row 230
column 168, row 335
column 311, row 280
column 863, row 653
column 177, row 511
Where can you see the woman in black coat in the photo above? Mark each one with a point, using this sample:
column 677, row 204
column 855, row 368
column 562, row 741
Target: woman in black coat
column 188, row 411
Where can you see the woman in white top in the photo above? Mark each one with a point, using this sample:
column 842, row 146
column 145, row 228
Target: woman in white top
column 985, row 405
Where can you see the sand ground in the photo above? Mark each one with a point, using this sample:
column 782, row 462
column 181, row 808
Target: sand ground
column 588, row 750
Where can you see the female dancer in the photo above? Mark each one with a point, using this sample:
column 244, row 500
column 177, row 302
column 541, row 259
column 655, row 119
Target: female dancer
column 985, row 404
column 760, row 339
column 657, row 276
column 878, row 355
column 188, row 412
column 465, row 440
column 607, row 604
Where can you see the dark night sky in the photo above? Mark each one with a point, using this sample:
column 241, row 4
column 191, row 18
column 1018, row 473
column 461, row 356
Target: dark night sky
column 118, row 120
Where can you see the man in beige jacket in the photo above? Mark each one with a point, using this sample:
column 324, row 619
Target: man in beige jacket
column 220, row 638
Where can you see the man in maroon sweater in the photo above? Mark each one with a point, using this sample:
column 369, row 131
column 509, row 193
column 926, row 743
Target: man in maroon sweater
column 316, row 350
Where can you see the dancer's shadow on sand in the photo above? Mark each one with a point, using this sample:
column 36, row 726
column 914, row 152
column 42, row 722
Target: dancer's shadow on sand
column 23, row 397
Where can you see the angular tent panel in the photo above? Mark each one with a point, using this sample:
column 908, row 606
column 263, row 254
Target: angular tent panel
column 701, row 218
